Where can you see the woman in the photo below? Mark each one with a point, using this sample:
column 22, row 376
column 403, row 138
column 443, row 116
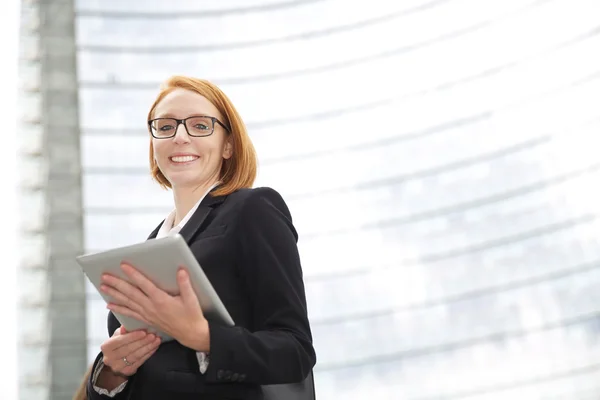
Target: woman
column 246, row 243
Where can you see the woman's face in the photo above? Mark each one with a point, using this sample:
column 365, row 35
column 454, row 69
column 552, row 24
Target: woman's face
column 188, row 161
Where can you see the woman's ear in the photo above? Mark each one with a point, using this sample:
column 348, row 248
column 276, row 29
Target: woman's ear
column 228, row 149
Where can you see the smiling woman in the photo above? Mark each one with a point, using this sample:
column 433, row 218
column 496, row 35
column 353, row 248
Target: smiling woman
column 247, row 245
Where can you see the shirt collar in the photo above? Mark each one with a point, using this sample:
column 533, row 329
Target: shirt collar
column 167, row 227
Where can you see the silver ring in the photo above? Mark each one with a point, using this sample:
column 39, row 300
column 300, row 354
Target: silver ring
column 126, row 362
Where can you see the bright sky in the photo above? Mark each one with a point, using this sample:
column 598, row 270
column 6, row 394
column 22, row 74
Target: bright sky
column 8, row 201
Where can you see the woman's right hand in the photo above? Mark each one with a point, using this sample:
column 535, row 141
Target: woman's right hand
column 126, row 351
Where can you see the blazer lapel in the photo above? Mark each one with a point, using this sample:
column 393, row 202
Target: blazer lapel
column 155, row 231
column 192, row 227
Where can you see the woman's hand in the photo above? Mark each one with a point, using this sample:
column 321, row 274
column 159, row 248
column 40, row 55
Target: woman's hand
column 125, row 352
column 178, row 316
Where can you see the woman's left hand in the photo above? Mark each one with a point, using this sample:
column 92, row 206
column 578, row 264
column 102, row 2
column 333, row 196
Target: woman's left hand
column 178, row 316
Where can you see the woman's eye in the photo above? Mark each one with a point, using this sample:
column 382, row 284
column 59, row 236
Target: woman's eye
column 201, row 126
column 166, row 127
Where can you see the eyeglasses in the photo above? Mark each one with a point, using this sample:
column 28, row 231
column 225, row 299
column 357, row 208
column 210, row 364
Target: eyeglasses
column 197, row 126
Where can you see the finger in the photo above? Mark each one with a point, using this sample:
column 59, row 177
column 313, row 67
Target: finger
column 120, row 298
column 131, row 292
column 127, row 312
column 185, row 288
column 140, row 356
column 120, row 331
column 131, row 349
column 140, row 280
column 115, row 359
column 148, row 346
column 121, row 340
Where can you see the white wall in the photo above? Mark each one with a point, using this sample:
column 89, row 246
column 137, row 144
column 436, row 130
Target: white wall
column 440, row 160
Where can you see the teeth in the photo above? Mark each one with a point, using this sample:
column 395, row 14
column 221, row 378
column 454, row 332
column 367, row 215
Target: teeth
column 183, row 158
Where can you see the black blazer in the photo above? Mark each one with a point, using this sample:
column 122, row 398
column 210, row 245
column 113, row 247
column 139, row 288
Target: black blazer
column 246, row 245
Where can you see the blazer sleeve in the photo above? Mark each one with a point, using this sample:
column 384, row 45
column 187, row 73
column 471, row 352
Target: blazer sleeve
column 279, row 349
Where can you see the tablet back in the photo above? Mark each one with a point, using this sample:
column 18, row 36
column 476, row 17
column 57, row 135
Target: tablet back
column 159, row 260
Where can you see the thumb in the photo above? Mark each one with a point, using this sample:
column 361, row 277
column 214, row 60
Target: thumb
column 185, row 288
column 119, row 331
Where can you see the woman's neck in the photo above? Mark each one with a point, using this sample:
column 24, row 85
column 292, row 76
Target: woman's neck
column 185, row 199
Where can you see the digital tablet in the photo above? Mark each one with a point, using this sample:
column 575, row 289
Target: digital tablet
column 159, row 260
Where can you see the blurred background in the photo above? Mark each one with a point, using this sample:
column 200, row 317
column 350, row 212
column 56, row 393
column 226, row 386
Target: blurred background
column 439, row 158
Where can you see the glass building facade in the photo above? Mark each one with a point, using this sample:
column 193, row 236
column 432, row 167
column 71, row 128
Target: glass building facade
column 439, row 158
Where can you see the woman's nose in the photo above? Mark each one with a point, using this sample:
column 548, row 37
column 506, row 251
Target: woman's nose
column 181, row 135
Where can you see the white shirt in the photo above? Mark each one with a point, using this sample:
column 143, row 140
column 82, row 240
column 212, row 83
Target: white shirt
column 166, row 229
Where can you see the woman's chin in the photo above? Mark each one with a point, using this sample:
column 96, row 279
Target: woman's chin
column 185, row 180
